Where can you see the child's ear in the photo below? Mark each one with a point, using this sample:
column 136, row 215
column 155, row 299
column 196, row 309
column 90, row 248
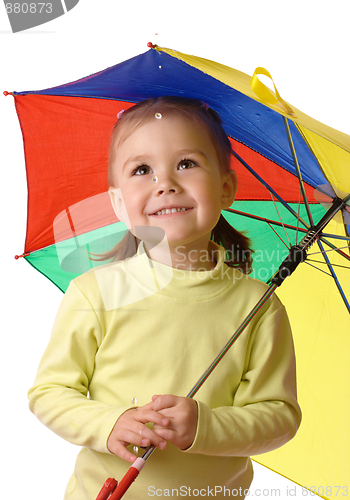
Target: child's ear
column 118, row 204
column 229, row 189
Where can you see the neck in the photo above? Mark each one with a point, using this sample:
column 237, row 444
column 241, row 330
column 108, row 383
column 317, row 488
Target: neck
column 183, row 256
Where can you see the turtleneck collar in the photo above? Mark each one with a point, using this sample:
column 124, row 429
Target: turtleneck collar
column 180, row 283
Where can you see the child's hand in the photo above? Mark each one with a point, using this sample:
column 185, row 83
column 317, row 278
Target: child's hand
column 182, row 414
column 131, row 428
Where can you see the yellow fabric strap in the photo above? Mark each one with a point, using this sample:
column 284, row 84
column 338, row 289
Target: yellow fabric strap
column 265, row 95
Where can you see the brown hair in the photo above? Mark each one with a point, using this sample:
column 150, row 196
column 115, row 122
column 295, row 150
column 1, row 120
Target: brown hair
column 236, row 244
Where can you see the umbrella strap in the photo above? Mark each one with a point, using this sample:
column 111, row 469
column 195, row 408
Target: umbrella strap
column 265, row 95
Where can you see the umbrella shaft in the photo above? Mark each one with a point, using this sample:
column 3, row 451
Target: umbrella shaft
column 222, row 353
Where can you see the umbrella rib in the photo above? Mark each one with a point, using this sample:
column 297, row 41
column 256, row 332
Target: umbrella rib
column 330, row 250
column 336, row 236
column 324, row 263
column 317, row 268
column 279, row 216
column 278, row 236
column 269, row 188
column 299, row 203
column 297, row 168
column 263, row 219
column 333, row 247
column 334, row 277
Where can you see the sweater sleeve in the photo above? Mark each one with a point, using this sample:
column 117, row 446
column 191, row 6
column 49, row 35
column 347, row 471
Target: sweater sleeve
column 59, row 397
column 265, row 413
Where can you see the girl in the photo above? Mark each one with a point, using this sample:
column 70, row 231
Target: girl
column 146, row 327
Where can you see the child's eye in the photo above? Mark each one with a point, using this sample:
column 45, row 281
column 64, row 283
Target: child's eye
column 185, row 164
column 142, row 170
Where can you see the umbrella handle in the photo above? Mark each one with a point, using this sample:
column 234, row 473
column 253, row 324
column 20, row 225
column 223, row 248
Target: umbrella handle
column 120, row 488
column 108, row 488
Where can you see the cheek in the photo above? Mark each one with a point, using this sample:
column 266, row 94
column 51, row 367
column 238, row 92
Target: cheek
column 210, row 193
column 210, row 207
column 134, row 200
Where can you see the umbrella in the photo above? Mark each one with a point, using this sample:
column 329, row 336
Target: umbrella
column 290, row 167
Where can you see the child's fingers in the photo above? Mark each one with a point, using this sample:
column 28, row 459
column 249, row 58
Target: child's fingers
column 130, row 428
column 147, row 415
column 119, row 446
column 148, row 406
column 166, row 434
column 164, row 401
column 119, row 449
column 183, row 414
column 142, row 437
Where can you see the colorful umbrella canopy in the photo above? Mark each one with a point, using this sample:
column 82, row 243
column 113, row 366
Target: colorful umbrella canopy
column 66, row 133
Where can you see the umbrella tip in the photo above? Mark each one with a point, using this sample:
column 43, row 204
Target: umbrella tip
column 7, row 93
column 151, row 45
column 25, row 254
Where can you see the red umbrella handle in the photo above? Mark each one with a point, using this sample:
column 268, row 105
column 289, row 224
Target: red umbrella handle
column 108, row 488
column 112, row 490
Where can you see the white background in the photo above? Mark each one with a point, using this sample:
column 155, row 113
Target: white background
column 304, row 45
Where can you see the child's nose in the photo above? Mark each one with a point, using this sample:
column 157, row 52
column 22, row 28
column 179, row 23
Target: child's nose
column 166, row 184
column 164, row 190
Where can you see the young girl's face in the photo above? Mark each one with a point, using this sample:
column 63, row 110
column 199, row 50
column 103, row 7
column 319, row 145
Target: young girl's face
column 168, row 175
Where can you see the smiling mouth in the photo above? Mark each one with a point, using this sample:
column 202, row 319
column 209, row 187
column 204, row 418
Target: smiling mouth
column 166, row 211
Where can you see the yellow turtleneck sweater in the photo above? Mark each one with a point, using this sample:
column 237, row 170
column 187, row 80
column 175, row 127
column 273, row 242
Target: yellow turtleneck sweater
column 138, row 328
